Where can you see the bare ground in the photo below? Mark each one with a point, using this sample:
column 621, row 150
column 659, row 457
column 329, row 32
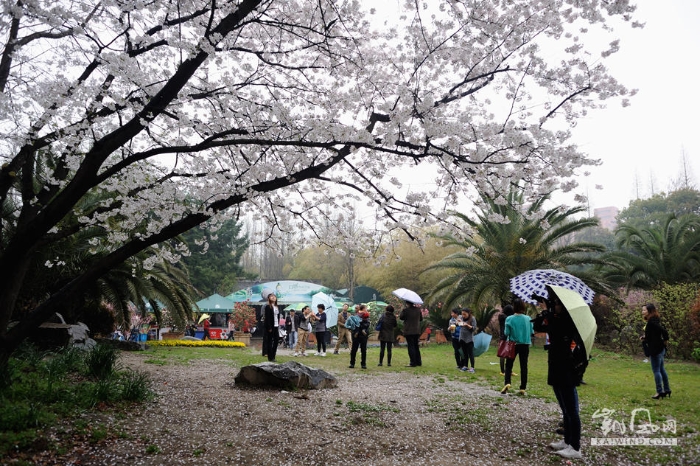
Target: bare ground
column 201, row 417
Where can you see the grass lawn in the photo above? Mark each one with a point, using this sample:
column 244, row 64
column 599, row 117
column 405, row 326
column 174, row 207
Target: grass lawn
column 617, row 386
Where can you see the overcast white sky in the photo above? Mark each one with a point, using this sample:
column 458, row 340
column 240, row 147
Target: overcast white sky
column 644, row 142
column 641, row 145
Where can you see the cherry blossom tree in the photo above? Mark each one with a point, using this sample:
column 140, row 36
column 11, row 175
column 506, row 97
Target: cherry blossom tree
column 175, row 113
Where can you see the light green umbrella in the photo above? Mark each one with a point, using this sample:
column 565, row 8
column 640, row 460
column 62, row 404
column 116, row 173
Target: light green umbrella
column 581, row 315
column 298, row 306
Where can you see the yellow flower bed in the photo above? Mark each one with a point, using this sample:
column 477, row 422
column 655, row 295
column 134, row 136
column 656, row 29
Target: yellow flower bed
column 198, row 343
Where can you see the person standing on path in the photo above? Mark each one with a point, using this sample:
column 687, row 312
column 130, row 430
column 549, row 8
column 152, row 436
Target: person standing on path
column 561, row 374
column 466, row 338
column 344, row 334
column 454, row 328
column 359, row 339
column 321, row 330
column 303, row 329
column 518, row 329
column 412, row 317
column 506, row 312
column 206, row 325
column 291, row 326
column 272, row 323
column 655, row 337
column 386, row 334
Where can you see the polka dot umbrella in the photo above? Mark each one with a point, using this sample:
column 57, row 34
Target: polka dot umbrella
column 534, row 282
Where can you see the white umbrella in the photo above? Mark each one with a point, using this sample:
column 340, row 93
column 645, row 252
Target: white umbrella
column 407, row 295
column 331, row 310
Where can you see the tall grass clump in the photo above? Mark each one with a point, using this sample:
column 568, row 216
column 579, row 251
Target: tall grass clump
column 135, row 386
column 101, row 361
column 39, row 387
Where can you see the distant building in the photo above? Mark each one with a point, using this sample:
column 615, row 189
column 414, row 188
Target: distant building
column 607, row 217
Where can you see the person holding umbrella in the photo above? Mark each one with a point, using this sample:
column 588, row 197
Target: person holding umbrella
column 411, row 316
column 206, row 325
column 561, row 374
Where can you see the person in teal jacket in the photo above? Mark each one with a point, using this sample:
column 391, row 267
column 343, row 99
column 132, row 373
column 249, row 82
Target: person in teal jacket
column 518, row 329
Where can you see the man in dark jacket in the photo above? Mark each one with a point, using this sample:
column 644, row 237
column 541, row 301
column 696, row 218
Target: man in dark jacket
column 291, row 324
column 412, row 316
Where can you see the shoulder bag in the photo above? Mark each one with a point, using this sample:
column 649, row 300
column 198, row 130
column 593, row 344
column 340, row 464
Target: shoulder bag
column 506, row 349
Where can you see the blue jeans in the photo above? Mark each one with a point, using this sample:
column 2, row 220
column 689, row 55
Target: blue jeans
column 567, row 396
column 660, row 376
column 292, row 339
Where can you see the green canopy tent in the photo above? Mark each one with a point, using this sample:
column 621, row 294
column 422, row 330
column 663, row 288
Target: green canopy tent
column 215, row 303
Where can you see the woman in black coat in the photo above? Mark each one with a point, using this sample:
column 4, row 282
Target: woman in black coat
column 561, row 374
column 655, row 337
column 386, row 334
column 272, row 324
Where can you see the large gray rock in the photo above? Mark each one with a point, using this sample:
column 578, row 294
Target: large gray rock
column 291, row 374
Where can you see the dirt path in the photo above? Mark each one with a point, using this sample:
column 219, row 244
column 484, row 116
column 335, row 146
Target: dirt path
column 200, row 417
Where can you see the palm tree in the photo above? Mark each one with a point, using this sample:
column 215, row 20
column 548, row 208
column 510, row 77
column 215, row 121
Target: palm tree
column 506, row 241
column 130, row 285
column 661, row 253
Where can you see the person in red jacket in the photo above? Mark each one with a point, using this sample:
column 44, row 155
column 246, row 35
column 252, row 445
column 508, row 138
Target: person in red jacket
column 206, row 326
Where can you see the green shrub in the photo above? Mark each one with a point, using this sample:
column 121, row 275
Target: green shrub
column 676, row 303
column 29, row 354
column 135, row 386
column 101, row 361
column 696, row 353
column 24, row 415
column 102, row 391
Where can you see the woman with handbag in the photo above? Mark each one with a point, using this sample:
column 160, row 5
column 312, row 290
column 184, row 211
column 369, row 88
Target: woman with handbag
column 506, row 312
column 518, row 328
column 386, row 334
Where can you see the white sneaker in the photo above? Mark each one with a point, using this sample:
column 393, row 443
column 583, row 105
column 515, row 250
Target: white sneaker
column 560, row 445
column 295, row 354
column 570, row 453
column 323, row 354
